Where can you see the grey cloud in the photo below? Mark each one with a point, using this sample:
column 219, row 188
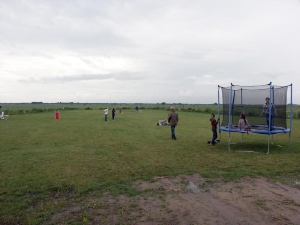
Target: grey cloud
column 233, row 41
column 61, row 25
column 122, row 76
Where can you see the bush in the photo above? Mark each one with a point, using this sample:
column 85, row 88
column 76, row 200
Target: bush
column 207, row 110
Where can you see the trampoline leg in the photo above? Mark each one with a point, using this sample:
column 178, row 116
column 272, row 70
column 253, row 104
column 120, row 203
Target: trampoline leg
column 289, row 140
column 229, row 141
column 268, row 144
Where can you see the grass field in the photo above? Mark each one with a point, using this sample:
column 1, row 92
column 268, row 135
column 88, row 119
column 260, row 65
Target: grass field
column 43, row 159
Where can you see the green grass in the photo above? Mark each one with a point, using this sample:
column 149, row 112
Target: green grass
column 42, row 159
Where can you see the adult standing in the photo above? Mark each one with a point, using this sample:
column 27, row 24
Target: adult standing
column 173, row 120
column 105, row 113
column 269, row 113
column 113, row 113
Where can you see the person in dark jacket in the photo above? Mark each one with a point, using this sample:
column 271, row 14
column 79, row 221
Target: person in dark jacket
column 113, row 113
column 173, row 121
column 214, row 124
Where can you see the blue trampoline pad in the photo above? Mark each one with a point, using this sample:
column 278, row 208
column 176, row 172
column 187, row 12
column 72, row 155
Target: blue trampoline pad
column 257, row 129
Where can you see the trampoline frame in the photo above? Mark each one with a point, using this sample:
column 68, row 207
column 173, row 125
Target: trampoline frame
column 271, row 130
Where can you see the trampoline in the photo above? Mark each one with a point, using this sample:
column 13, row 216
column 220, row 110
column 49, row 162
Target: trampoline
column 249, row 101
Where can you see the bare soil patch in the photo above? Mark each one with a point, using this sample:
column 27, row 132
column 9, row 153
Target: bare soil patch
column 192, row 200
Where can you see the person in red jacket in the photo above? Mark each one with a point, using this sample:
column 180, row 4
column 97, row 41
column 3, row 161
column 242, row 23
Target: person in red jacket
column 214, row 124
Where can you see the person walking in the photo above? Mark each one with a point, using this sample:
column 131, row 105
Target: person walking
column 105, row 113
column 214, row 124
column 173, row 121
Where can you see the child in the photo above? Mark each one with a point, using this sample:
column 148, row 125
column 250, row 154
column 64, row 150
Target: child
column 214, row 124
column 243, row 123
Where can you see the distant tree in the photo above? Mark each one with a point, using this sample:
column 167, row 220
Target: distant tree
column 163, row 103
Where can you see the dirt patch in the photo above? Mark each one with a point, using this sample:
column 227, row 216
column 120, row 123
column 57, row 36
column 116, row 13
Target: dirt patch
column 192, row 200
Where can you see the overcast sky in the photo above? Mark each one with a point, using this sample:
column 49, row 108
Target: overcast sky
column 147, row 51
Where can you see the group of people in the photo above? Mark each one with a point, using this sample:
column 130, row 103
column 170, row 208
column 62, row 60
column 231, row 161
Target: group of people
column 113, row 112
column 268, row 110
column 242, row 124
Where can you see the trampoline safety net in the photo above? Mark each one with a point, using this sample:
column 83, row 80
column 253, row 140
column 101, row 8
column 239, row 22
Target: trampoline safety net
column 250, row 101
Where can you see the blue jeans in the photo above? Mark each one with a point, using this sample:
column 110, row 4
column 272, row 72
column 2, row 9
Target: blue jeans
column 173, row 132
column 272, row 120
column 105, row 117
column 215, row 135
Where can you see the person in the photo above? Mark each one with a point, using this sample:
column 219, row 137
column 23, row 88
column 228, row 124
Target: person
column 137, row 109
column 57, row 114
column 173, row 121
column 243, row 123
column 105, row 113
column 266, row 111
column 214, row 124
column 113, row 113
column 120, row 109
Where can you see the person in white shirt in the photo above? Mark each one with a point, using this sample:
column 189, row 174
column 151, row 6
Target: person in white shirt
column 243, row 123
column 105, row 113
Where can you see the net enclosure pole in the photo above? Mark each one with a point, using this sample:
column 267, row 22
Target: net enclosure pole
column 242, row 106
column 269, row 119
column 219, row 110
column 270, row 104
column 229, row 115
column 268, row 144
column 291, row 108
column 291, row 115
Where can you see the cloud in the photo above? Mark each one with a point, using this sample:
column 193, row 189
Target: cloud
column 86, row 77
column 145, row 48
column 186, row 93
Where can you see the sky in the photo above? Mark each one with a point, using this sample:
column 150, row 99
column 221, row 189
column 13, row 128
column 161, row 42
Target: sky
column 145, row 51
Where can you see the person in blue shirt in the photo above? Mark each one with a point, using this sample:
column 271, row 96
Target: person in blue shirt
column 266, row 110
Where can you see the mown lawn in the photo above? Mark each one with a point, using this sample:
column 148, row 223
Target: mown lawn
column 41, row 157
